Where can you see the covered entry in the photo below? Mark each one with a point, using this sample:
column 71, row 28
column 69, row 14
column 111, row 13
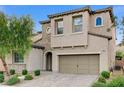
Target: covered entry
column 79, row 64
column 49, row 61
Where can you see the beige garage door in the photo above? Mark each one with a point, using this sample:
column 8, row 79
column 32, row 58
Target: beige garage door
column 79, row 64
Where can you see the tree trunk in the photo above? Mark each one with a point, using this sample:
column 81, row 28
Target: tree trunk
column 5, row 65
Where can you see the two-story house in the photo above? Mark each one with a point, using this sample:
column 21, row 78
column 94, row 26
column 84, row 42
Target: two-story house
column 76, row 41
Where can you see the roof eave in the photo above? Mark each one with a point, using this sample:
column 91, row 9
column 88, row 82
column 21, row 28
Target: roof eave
column 44, row 22
column 87, row 8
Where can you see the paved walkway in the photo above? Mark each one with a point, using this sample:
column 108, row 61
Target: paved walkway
column 50, row 79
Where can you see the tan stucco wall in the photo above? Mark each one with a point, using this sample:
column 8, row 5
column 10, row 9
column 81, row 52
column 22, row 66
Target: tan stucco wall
column 68, row 38
column 45, row 41
column 106, row 22
column 75, row 39
column 32, row 61
column 96, row 45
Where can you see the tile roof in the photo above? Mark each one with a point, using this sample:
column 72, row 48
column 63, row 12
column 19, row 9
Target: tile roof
column 86, row 8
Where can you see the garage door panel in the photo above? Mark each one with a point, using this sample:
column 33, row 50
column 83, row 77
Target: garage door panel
column 80, row 64
column 83, row 66
column 94, row 65
column 94, row 62
column 83, row 71
column 82, row 59
column 68, row 69
column 67, row 60
column 67, row 64
column 93, row 72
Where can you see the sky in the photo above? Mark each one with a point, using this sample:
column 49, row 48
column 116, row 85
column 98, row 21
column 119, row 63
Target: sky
column 40, row 12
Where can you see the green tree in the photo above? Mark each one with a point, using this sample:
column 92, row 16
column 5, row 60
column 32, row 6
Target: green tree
column 122, row 29
column 15, row 35
column 119, row 54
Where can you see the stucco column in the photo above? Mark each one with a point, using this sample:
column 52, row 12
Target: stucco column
column 55, row 62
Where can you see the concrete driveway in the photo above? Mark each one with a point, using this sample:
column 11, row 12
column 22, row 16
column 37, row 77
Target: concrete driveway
column 50, row 79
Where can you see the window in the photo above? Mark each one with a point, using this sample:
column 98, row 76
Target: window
column 59, row 26
column 77, row 24
column 18, row 58
column 99, row 21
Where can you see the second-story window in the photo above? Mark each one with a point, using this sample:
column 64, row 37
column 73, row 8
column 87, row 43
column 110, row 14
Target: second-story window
column 59, row 26
column 77, row 24
column 99, row 21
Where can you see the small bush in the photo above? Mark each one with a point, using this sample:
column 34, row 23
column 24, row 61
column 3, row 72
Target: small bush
column 105, row 74
column 119, row 55
column 28, row 77
column 12, row 71
column 37, row 72
column 101, row 79
column 99, row 84
column 13, row 80
column 116, row 82
column 1, row 72
column 1, row 78
column 24, row 72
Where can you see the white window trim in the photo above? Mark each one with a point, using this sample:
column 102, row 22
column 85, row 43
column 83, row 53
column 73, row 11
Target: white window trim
column 101, row 20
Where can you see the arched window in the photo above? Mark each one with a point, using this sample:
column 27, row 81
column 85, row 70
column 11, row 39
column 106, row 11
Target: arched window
column 99, row 21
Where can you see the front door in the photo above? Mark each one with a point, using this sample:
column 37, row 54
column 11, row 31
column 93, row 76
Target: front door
column 49, row 61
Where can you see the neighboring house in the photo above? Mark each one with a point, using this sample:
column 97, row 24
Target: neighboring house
column 76, row 41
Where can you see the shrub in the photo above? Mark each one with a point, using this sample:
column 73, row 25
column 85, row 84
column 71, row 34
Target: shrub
column 99, row 84
column 12, row 71
column 116, row 82
column 24, row 72
column 37, row 72
column 119, row 55
column 28, row 77
column 1, row 78
column 101, row 79
column 105, row 74
column 1, row 72
column 13, row 80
